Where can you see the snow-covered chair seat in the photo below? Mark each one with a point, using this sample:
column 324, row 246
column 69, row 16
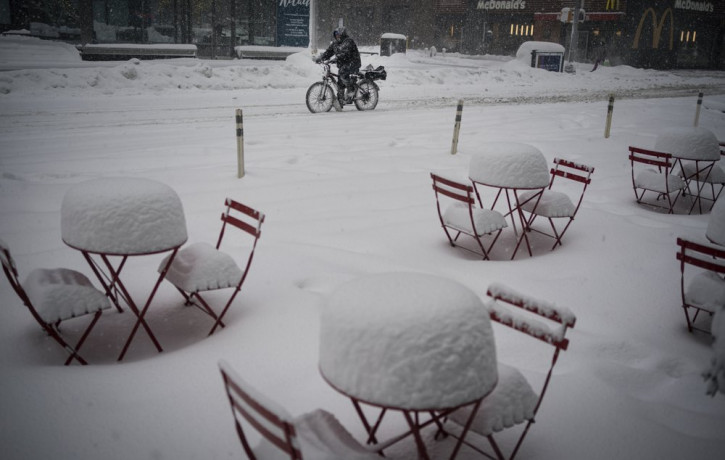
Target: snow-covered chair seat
column 201, row 267
column 462, row 216
column 702, row 290
column 317, row 435
column 555, row 204
column 513, row 400
column 660, row 180
column 56, row 295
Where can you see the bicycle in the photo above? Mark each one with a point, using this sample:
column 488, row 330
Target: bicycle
column 321, row 95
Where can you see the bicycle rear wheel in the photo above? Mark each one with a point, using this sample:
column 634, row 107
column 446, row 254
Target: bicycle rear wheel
column 366, row 96
column 319, row 97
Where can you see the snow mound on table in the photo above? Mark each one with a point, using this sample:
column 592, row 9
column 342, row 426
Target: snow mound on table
column 122, row 216
column 690, row 143
column 509, row 164
column 408, row 340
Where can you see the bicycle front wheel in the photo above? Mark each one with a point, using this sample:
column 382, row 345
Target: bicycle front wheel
column 366, row 96
column 319, row 97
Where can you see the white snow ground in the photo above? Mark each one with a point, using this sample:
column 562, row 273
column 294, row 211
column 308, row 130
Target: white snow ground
column 345, row 194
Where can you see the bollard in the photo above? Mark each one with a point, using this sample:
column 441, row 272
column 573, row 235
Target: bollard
column 697, row 111
column 610, row 109
column 240, row 145
column 457, row 127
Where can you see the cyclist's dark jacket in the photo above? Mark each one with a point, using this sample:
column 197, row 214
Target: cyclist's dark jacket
column 348, row 57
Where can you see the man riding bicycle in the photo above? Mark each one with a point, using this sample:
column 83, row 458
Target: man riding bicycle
column 347, row 56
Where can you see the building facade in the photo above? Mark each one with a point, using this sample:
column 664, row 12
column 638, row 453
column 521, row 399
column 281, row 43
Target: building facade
column 641, row 33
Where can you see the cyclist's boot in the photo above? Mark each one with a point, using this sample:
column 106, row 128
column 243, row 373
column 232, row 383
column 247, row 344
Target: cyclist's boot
column 349, row 94
column 341, row 95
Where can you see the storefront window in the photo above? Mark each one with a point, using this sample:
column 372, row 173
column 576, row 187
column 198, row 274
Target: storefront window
column 525, row 30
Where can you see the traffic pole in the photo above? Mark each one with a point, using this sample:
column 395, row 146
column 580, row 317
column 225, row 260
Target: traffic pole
column 697, row 110
column 610, row 109
column 457, row 127
column 240, row 144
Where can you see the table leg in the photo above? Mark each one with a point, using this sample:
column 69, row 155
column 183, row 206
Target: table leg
column 370, row 429
column 415, row 429
column 140, row 314
column 700, row 176
column 524, row 223
column 511, row 211
column 462, row 436
column 101, row 278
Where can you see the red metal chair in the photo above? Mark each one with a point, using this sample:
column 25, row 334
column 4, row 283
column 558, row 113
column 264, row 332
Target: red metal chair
column 201, row 267
column 514, row 401
column 702, row 290
column 464, row 217
column 660, row 181
column 555, row 204
column 56, row 295
column 313, row 436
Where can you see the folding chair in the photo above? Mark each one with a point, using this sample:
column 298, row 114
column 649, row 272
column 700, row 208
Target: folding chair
column 554, row 204
column 660, row 181
column 201, row 267
column 705, row 290
column 514, row 401
column 463, row 216
column 316, row 435
column 55, row 295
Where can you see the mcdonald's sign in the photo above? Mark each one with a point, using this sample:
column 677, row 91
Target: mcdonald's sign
column 656, row 28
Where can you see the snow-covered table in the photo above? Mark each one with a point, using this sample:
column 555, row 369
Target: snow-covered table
column 409, row 342
column 511, row 168
column 118, row 218
column 695, row 150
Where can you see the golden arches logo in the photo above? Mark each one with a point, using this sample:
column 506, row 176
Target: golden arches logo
column 656, row 28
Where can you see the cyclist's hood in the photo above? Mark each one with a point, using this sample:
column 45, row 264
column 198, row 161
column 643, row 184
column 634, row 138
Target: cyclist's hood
column 339, row 32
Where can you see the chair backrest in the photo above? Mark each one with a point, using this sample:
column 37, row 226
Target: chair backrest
column 662, row 160
column 264, row 415
column 509, row 308
column 242, row 217
column 709, row 257
column 575, row 172
column 570, row 170
column 516, row 320
column 11, row 272
column 453, row 189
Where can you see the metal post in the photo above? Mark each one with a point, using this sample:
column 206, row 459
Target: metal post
column 312, row 27
column 457, row 127
column 240, row 145
column 574, row 44
column 610, row 109
column 697, row 111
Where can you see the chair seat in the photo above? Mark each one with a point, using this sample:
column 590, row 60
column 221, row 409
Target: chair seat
column 59, row 294
column 512, row 402
column 321, row 437
column 551, row 204
column 486, row 220
column 652, row 180
column 706, row 290
column 201, row 267
column 716, row 176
